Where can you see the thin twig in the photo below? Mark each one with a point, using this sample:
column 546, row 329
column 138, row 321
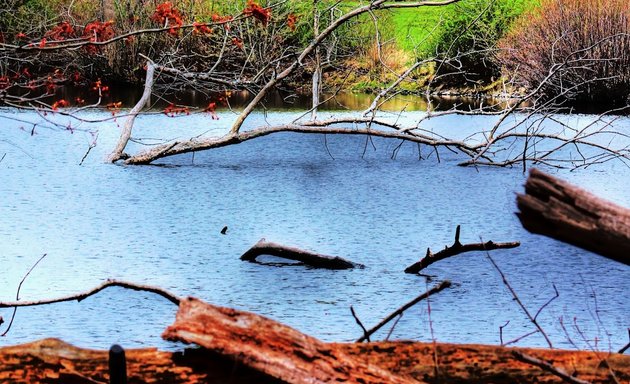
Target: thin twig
column 17, row 294
column 531, row 318
column 443, row 285
column 549, row 368
column 356, row 318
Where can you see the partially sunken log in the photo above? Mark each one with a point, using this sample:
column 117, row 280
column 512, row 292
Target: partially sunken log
column 456, row 249
column 557, row 209
column 271, row 347
column 316, row 260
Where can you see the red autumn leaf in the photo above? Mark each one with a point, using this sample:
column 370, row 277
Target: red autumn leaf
column 256, row 11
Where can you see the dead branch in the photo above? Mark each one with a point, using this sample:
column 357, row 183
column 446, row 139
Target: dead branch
column 83, row 295
column 456, row 249
column 532, row 319
column 17, row 294
column 549, row 368
column 271, row 347
column 316, row 260
column 557, row 209
column 625, row 347
column 443, row 285
column 125, row 135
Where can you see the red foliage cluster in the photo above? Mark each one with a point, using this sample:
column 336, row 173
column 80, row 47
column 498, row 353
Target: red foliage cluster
column 114, row 107
column 21, row 36
column 259, row 13
column 61, row 31
column 98, row 31
column 99, row 87
column 211, row 108
column 59, row 104
column 238, row 42
column 201, row 28
column 172, row 110
column 5, row 82
column 166, row 15
column 222, row 19
column 291, row 20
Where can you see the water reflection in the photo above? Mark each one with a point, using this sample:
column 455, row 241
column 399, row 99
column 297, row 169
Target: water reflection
column 279, row 100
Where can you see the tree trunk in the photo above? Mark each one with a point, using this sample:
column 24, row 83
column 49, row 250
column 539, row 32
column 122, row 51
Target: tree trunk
column 557, row 209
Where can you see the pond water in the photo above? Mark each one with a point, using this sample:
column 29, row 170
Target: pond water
column 160, row 225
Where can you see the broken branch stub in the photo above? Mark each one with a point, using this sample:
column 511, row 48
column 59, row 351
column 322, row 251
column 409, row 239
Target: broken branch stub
column 316, row 260
column 555, row 208
column 456, row 249
column 271, row 347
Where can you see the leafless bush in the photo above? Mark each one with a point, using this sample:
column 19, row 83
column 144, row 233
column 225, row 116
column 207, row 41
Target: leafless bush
column 579, row 50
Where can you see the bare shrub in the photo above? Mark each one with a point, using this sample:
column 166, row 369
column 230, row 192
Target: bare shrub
column 572, row 49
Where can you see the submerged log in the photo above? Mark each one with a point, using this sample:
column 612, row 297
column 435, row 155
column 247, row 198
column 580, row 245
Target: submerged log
column 316, row 260
column 557, row 209
column 456, row 249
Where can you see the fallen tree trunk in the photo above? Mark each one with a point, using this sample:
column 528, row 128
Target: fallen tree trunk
column 263, row 247
column 456, row 249
column 53, row 361
column 557, row 209
column 271, row 347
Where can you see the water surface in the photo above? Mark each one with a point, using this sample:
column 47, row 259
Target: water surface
column 160, row 225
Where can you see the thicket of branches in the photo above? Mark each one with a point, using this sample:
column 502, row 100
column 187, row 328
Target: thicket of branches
column 585, row 43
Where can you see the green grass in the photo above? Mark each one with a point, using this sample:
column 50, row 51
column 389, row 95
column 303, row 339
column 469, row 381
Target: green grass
column 414, row 29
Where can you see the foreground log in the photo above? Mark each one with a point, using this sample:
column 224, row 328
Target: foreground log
column 271, row 347
column 316, row 260
column 456, row 249
column 557, row 209
column 53, row 361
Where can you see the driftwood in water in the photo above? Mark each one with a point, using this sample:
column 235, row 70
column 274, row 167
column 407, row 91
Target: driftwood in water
column 263, row 247
column 557, row 209
column 456, row 249
column 53, row 361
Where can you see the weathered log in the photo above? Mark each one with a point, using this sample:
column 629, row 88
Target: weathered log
column 456, row 249
column 316, row 260
column 271, row 347
column 557, row 209
column 53, row 361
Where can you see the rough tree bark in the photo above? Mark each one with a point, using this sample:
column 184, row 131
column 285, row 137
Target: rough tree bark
column 263, row 247
column 557, row 209
column 271, row 347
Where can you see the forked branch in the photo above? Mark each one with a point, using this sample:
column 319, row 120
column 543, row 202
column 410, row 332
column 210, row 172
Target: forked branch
column 456, row 249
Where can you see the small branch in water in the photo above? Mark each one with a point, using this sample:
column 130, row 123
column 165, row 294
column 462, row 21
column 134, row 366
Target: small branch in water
column 443, row 285
column 83, row 295
column 456, row 249
column 548, row 367
column 531, row 318
column 17, row 294
column 625, row 348
column 356, row 318
column 316, row 260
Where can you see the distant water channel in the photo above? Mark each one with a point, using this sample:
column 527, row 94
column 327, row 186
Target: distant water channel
column 160, row 225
